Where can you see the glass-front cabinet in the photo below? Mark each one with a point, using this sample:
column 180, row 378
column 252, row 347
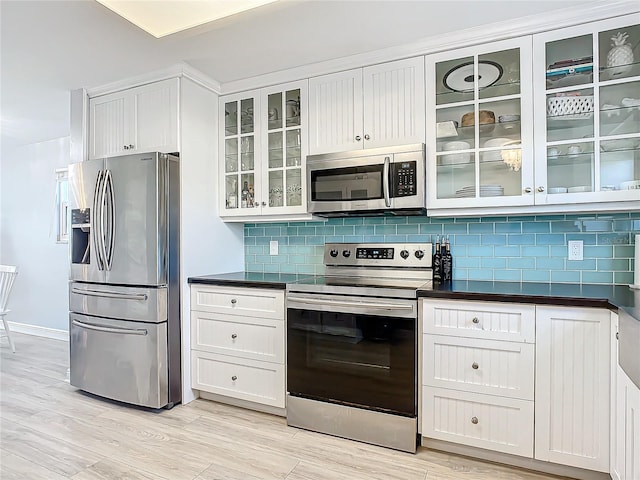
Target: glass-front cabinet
column 587, row 101
column 264, row 152
column 480, row 127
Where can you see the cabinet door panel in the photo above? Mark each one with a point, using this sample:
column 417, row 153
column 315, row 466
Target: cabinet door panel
column 394, row 108
column 155, row 117
column 335, row 112
column 107, row 120
column 572, row 387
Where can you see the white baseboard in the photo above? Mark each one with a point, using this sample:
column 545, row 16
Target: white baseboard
column 39, row 331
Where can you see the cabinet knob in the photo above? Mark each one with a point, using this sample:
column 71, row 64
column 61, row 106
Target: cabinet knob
column 126, row 147
column 528, row 190
column 474, row 365
column 475, row 320
column 234, row 336
column 234, row 378
column 617, row 335
column 367, row 137
column 540, row 189
column 130, row 147
column 257, row 204
column 474, row 420
column 358, row 138
column 234, row 301
column 264, row 204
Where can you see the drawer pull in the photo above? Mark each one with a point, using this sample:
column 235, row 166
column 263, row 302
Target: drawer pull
column 234, row 336
column 474, row 420
column 234, row 301
column 474, row 365
column 475, row 320
column 234, row 378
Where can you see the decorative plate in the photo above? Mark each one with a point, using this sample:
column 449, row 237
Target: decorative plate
column 460, row 77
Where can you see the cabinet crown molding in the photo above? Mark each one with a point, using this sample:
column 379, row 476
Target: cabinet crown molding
column 178, row 70
column 529, row 25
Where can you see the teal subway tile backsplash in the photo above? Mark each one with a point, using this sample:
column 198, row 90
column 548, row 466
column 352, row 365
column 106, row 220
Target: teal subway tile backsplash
column 517, row 248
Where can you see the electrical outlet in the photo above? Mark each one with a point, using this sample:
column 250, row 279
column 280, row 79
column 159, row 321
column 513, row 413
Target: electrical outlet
column 575, row 250
column 273, row 247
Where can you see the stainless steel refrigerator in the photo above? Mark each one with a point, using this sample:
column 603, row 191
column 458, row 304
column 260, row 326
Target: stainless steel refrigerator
column 124, row 298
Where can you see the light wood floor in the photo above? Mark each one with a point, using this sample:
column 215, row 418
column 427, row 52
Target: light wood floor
column 50, row 430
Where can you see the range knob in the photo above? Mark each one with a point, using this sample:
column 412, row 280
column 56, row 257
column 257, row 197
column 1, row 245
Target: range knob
column 404, row 254
column 346, row 253
column 419, row 254
column 333, row 253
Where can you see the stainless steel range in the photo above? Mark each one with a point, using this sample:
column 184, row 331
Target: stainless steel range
column 352, row 343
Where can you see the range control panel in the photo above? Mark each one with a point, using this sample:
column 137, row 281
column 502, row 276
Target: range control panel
column 381, row 255
column 404, row 179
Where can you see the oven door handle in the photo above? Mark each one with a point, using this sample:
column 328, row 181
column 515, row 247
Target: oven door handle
column 343, row 303
column 387, row 181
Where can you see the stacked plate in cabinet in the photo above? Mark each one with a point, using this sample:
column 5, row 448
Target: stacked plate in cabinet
column 485, row 191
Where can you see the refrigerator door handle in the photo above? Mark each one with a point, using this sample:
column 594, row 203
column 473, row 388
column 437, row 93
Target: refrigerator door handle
column 107, row 294
column 124, row 331
column 111, row 231
column 96, row 224
column 103, row 233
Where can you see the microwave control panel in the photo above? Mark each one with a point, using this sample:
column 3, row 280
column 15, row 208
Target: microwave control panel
column 404, row 179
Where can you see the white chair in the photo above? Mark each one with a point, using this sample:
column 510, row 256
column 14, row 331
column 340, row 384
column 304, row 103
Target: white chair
column 7, row 276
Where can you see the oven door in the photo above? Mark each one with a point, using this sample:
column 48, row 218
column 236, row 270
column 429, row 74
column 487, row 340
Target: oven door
column 357, row 351
column 352, row 184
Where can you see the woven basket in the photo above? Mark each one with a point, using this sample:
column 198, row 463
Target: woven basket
column 570, row 108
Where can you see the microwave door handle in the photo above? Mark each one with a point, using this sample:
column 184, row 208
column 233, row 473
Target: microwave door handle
column 96, row 224
column 387, row 180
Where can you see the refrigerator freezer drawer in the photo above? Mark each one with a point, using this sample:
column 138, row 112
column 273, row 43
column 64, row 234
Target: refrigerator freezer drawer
column 141, row 304
column 125, row 361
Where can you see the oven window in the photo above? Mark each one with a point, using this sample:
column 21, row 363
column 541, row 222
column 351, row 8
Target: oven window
column 361, row 360
column 349, row 183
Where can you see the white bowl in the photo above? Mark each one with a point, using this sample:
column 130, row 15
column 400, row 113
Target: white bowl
column 558, row 190
column 455, row 158
column 632, row 185
column 456, row 145
column 497, row 142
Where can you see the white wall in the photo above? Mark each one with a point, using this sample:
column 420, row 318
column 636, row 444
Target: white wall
column 28, row 237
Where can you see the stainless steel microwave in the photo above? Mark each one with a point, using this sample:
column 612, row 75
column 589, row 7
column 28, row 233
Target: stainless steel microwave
column 367, row 182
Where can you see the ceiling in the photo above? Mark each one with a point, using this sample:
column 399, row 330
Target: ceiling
column 51, row 47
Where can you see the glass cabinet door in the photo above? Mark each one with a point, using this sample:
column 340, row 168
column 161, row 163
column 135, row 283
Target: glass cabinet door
column 239, row 154
column 284, row 152
column 478, row 130
column 592, row 95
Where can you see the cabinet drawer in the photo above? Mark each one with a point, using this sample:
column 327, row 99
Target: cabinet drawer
column 259, row 382
column 488, row 320
column 481, row 366
column 251, row 302
column 483, row 421
column 248, row 337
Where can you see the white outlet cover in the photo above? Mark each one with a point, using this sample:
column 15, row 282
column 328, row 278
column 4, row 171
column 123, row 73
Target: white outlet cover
column 575, row 250
column 273, row 247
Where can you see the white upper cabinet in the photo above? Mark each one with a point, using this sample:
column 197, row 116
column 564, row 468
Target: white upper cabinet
column 378, row 106
column 587, row 101
column 487, row 162
column 140, row 119
column 263, row 152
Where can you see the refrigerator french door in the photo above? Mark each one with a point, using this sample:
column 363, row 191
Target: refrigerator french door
column 124, row 319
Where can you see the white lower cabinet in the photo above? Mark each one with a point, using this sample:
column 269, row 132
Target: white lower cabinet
column 477, row 374
column 495, row 423
column 525, row 380
column 572, row 386
column 625, row 418
column 237, row 343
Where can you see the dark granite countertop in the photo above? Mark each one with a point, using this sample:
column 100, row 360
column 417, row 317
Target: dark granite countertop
column 599, row 296
column 250, row 279
column 585, row 295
